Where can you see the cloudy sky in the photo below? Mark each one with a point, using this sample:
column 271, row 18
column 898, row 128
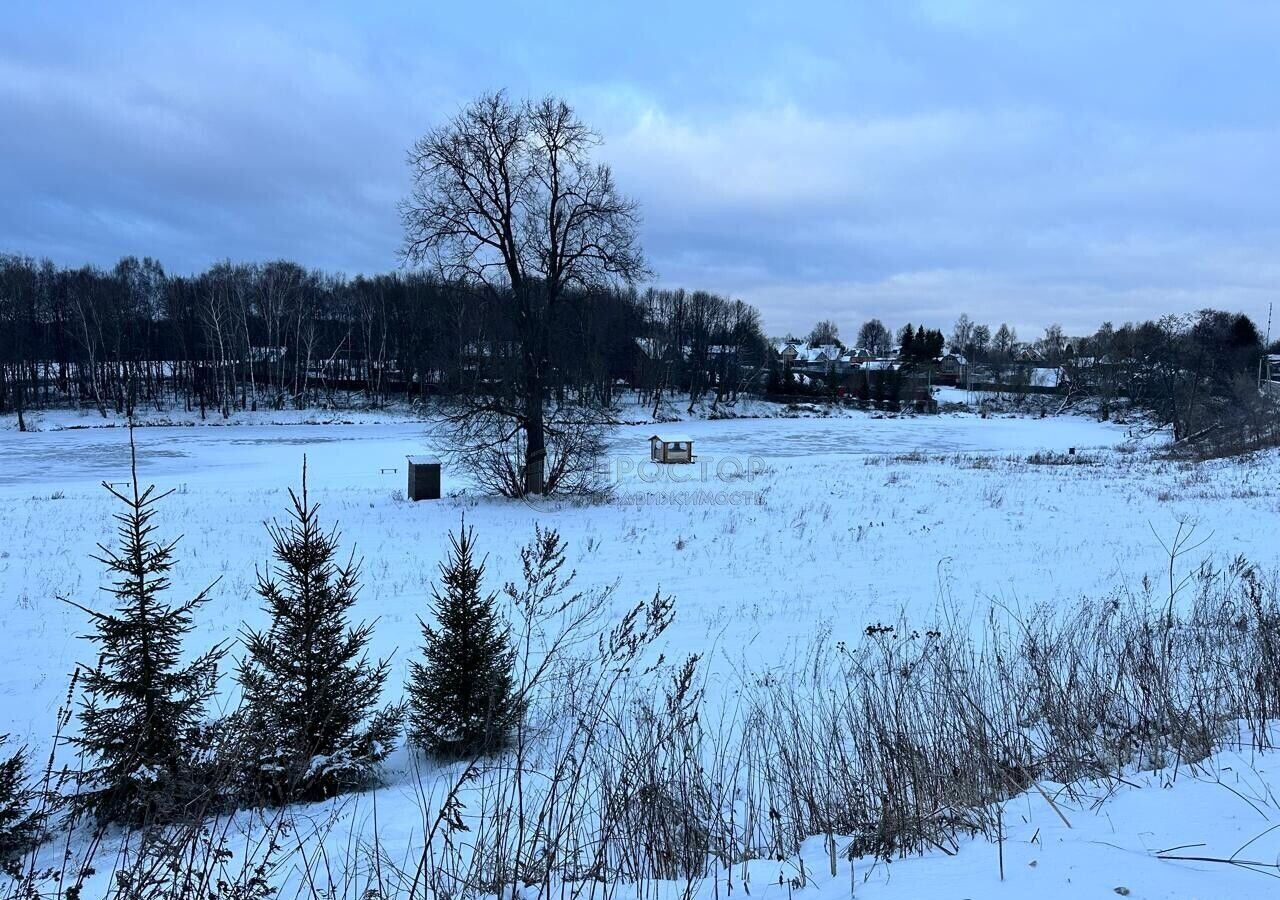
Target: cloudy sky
column 1029, row 162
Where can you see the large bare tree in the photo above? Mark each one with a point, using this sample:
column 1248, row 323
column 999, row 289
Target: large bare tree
column 506, row 196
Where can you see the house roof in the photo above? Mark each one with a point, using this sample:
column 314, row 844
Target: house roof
column 806, row 354
column 672, row 438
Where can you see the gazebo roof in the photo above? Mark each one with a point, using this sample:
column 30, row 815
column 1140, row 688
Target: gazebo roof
column 672, row 438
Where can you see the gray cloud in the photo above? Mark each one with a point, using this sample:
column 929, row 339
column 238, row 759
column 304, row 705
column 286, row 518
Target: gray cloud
column 1021, row 163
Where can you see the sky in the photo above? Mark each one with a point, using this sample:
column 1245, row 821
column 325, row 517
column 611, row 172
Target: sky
column 1025, row 162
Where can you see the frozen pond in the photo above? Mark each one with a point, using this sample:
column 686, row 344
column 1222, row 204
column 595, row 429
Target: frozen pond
column 356, row 454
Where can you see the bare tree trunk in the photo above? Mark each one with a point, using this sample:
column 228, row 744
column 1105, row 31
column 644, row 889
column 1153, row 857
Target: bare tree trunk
column 534, row 348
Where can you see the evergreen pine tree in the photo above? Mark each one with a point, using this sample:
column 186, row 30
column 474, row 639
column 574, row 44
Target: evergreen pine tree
column 310, row 691
column 19, row 824
column 141, row 708
column 462, row 700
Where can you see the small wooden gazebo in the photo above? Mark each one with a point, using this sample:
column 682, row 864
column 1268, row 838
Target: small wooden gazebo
column 671, row 448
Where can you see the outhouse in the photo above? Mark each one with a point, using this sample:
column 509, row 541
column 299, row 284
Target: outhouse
column 671, row 448
column 424, row 478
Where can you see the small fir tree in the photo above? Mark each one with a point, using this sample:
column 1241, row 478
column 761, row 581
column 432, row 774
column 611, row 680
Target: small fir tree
column 19, row 823
column 310, row 691
column 141, row 708
column 462, row 698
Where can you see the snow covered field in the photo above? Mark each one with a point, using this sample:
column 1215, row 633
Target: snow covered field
column 784, row 528
column 1110, row 845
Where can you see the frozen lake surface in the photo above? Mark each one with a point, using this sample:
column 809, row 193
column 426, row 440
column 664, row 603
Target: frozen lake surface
column 354, row 454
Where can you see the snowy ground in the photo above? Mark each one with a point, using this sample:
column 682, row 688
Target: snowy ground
column 783, row 528
column 1102, row 840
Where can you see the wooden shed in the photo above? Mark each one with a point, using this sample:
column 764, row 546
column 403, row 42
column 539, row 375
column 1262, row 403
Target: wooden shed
column 671, row 448
column 424, row 478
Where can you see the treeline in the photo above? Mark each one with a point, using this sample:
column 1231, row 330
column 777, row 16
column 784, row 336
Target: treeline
column 1192, row 372
column 276, row 335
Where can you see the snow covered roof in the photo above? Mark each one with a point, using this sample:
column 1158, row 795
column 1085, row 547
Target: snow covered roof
column 807, row 354
column 672, row 438
column 423, row 460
